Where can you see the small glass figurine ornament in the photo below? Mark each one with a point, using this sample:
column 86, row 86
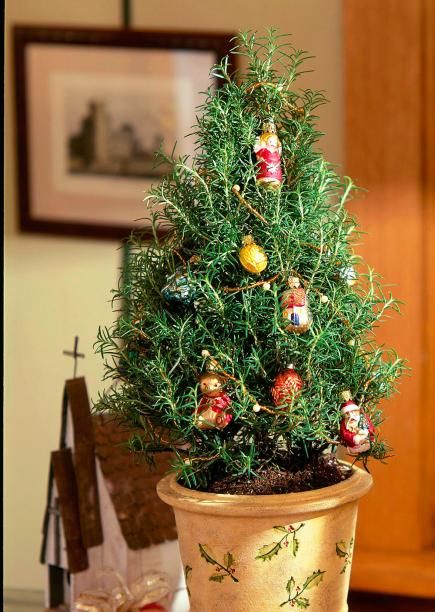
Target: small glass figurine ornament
column 345, row 272
column 348, row 274
column 295, row 309
column 178, row 288
column 252, row 257
column 286, row 386
column 268, row 150
column 212, row 411
column 356, row 429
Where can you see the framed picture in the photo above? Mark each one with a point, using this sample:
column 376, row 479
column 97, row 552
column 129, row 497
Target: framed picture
column 92, row 107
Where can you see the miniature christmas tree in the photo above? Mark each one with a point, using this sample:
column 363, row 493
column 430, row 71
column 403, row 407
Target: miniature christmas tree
column 246, row 338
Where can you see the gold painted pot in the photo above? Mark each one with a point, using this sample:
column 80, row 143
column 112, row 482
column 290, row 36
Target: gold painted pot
column 261, row 553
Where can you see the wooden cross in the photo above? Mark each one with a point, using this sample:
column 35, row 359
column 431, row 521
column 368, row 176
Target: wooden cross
column 74, row 354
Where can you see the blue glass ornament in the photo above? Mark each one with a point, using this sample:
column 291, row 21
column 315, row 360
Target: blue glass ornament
column 178, row 288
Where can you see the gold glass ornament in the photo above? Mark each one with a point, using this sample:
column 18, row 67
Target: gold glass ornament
column 252, row 257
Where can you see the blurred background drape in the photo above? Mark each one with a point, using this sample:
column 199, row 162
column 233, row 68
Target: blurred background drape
column 389, row 104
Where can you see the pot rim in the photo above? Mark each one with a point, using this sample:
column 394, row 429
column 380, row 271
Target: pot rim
column 306, row 502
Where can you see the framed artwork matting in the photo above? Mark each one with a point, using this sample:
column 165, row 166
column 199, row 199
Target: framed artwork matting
column 92, row 108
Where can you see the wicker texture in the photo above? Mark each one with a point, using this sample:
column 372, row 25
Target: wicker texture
column 144, row 519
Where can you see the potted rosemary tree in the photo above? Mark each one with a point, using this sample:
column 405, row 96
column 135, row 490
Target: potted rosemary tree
column 245, row 345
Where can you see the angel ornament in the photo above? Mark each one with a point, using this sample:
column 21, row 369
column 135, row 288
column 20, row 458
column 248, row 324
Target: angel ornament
column 295, row 309
column 268, row 151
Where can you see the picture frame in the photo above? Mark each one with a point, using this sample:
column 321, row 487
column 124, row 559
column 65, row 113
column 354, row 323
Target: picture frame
column 92, row 106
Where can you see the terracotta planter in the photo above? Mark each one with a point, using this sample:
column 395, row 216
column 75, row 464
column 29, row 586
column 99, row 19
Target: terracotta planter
column 270, row 552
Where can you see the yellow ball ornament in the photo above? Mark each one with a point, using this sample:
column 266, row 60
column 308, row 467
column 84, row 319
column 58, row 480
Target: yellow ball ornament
column 252, row 257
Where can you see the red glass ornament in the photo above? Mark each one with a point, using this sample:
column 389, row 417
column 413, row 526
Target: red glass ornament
column 286, row 386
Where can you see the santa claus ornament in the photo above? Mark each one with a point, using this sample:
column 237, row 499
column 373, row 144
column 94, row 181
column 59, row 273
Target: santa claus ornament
column 268, row 150
column 213, row 408
column 295, row 309
column 356, row 429
column 286, row 386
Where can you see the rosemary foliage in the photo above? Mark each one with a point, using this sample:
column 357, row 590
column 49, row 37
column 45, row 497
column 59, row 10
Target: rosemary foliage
column 153, row 351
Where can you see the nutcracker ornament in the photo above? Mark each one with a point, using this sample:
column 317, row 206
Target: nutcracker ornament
column 356, row 429
column 286, row 386
column 252, row 257
column 295, row 309
column 268, row 150
column 178, row 288
column 213, row 408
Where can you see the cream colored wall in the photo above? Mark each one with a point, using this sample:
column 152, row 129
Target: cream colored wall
column 56, row 288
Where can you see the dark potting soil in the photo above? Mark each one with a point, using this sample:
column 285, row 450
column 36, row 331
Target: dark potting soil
column 322, row 472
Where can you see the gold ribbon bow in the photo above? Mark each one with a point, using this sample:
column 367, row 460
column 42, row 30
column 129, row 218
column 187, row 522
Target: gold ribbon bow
column 149, row 589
